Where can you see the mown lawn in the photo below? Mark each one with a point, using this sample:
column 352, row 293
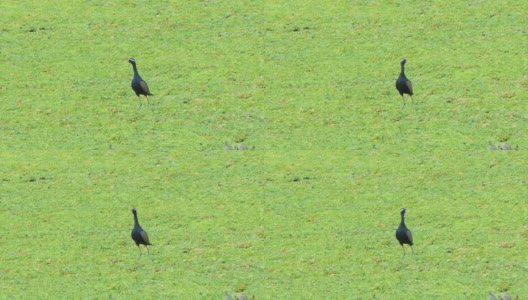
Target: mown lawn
column 310, row 211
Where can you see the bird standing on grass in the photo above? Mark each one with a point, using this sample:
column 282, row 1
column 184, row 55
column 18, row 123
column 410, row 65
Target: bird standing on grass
column 139, row 85
column 403, row 84
column 139, row 235
column 403, row 234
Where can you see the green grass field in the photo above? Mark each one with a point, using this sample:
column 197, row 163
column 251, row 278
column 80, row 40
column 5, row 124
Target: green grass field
column 311, row 211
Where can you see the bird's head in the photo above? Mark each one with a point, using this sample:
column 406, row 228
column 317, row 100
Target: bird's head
column 134, row 211
column 403, row 61
column 402, row 211
column 131, row 60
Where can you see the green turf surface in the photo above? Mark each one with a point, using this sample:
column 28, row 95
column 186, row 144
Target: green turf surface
column 311, row 211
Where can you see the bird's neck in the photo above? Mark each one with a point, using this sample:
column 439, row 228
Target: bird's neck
column 135, row 72
column 403, row 220
column 136, row 220
column 402, row 72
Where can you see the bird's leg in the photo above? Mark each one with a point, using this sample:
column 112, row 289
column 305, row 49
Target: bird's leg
column 139, row 252
column 148, row 101
column 139, row 103
column 412, row 100
column 403, row 103
column 148, row 252
column 412, row 249
column 403, row 248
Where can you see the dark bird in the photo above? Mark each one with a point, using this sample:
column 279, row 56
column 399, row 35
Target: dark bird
column 139, row 85
column 403, row 84
column 403, row 234
column 139, row 235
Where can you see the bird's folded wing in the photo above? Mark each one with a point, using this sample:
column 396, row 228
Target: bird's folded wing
column 144, row 86
column 144, row 236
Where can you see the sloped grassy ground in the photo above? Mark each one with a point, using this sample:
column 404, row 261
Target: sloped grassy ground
column 310, row 212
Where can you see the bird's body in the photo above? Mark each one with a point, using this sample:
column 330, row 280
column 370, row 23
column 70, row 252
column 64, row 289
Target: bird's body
column 403, row 234
column 403, row 85
column 139, row 235
column 139, row 85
